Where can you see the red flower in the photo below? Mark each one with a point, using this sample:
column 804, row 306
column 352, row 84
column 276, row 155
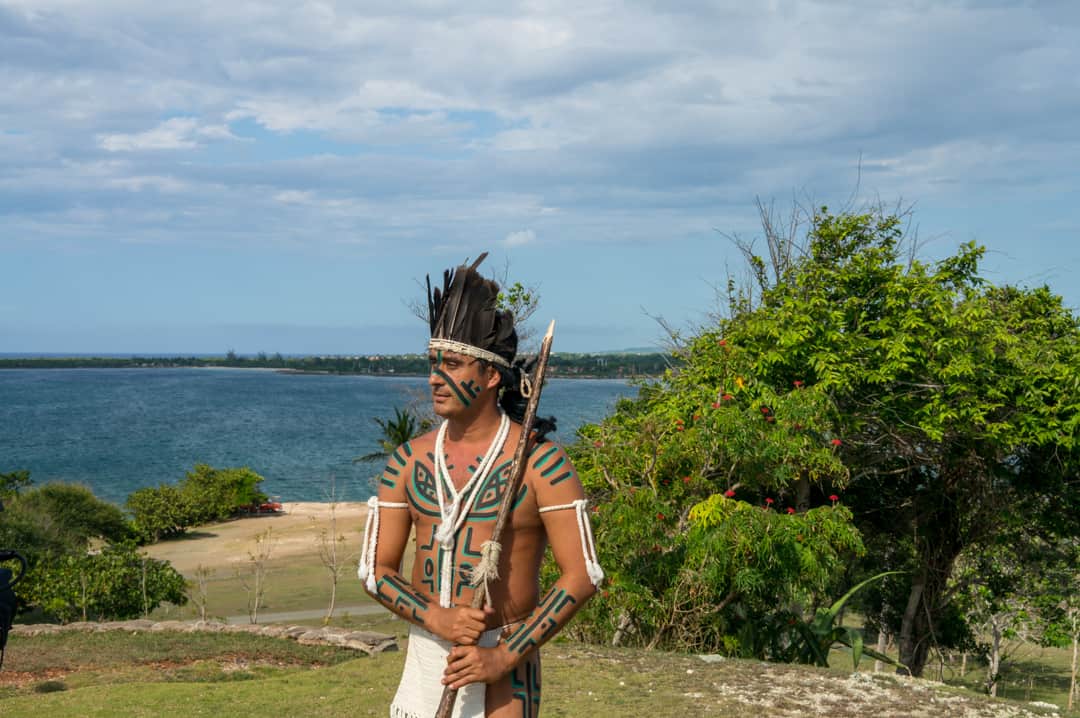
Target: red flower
column 790, row 510
column 765, row 410
column 596, row 509
column 697, row 416
column 836, row 442
column 797, row 383
column 606, row 594
column 686, row 479
column 727, row 397
column 722, row 342
column 659, row 517
column 716, row 405
column 598, row 444
column 834, row 498
column 769, row 501
column 729, row 493
column 680, row 427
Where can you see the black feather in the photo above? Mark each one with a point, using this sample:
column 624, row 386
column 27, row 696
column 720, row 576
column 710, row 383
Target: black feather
column 466, row 310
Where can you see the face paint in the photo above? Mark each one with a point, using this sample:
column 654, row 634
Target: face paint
column 465, row 391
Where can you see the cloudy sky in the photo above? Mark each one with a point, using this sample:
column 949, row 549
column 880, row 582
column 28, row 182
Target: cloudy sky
column 277, row 176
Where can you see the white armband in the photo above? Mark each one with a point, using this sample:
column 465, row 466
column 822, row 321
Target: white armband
column 366, row 570
column 588, row 547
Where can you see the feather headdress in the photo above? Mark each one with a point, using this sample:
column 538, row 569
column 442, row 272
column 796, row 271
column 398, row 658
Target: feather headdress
column 465, row 318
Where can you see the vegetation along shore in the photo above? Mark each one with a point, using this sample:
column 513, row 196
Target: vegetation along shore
column 561, row 365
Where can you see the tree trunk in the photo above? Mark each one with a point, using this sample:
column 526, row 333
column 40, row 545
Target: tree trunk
column 910, row 646
column 802, row 495
column 620, row 630
column 882, row 646
column 1072, row 672
column 333, row 600
column 995, row 657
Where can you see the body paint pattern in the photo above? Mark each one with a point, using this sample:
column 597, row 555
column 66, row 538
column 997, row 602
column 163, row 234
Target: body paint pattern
column 422, row 493
column 525, row 682
column 396, row 593
column 544, row 621
column 491, row 493
column 554, row 466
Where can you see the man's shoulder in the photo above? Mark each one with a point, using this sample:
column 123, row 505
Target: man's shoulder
column 548, row 457
column 421, row 444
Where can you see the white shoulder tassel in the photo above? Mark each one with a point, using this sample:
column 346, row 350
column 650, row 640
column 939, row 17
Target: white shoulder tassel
column 588, row 547
column 366, row 570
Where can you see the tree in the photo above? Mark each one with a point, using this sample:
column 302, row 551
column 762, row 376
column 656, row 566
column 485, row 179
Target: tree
column 216, row 494
column 161, row 512
column 957, row 401
column 405, row 426
column 717, row 525
column 253, row 576
column 332, row 554
column 114, row 584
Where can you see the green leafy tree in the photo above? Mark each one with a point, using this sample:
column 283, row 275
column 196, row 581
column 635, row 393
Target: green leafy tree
column 115, row 583
column 217, row 494
column 159, row 512
column 956, row 401
column 714, row 516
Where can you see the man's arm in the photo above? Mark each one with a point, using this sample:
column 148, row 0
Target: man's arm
column 392, row 527
column 559, row 490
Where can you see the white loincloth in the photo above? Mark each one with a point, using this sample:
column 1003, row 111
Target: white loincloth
column 421, row 687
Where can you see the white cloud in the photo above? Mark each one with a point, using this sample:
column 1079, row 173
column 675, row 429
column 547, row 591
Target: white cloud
column 520, row 238
column 177, row 133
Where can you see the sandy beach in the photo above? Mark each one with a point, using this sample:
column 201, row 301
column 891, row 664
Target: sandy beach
column 295, row 533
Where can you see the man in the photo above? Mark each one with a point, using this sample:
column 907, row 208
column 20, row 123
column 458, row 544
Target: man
column 448, row 485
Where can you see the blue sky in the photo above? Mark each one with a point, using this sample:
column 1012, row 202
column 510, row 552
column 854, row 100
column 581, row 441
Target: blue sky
column 261, row 176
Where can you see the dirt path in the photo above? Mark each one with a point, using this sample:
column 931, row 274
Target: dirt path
column 295, row 530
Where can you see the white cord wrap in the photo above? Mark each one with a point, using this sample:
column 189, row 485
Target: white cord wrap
column 453, row 515
column 588, row 546
column 366, row 570
column 449, row 345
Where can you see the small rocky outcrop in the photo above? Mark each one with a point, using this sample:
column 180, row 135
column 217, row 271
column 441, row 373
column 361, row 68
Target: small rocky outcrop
column 366, row 642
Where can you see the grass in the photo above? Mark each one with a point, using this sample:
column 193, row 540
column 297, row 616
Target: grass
column 154, row 674
column 151, row 674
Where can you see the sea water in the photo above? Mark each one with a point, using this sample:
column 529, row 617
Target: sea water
column 117, row 430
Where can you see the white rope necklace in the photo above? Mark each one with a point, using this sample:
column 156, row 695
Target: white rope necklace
column 453, row 514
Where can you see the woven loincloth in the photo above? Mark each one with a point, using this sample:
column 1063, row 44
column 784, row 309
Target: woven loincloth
column 421, row 687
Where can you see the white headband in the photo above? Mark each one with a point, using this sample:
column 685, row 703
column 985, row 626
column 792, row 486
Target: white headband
column 449, row 345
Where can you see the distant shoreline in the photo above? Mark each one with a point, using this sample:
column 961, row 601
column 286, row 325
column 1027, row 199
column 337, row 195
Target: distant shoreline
column 560, row 365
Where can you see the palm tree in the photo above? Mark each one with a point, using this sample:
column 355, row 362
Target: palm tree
column 396, row 431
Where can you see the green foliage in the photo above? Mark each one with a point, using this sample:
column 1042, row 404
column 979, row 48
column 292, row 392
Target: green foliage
column 206, row 494
column 957, row 401
column 12, row 482
column 940, row 407
column 58, row 519
column 216, row 494
column 115, row 583
column 690, row 567
column 405, row 426
column 158, row 513
column 813, row 639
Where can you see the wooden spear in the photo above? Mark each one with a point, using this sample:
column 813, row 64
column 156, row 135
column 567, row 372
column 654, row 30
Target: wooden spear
column 517, row 473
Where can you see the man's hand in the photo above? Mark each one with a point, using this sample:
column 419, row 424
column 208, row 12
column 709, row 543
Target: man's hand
column 461, row 626
column 472, row 664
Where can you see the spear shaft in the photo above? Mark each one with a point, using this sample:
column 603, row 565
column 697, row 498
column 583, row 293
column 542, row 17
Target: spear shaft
column 517, row 473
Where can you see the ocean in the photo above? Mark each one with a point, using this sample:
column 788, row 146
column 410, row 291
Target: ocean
column 118, row 430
